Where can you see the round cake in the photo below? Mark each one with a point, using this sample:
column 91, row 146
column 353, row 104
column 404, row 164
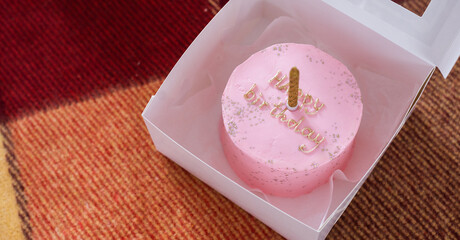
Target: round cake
column 286, row 152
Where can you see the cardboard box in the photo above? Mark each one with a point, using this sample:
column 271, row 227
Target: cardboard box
column 391, row 52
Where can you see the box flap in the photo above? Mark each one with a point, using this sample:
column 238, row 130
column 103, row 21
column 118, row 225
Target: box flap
column 433, row 37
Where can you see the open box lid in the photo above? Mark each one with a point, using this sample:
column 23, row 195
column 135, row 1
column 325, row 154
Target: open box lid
column 433, row 37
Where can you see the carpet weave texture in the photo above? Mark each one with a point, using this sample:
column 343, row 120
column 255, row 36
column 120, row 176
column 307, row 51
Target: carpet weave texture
column 77, row 162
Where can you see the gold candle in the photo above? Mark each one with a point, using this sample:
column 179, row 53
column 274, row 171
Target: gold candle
column 293, row 89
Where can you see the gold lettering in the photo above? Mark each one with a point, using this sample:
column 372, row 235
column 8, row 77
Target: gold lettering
column 303, row 147
column 264, row 103
column 306, row 134
column 277, row 107
column 281, row 115
column 257, row 99
column 277, row 78
column 250, row 94
column 294, row 124
column 279, row 110
column 274, row 77
column 291, row 123
column 285, row 87
column 313, row 139
column 298, row 124
column 283, row 118
column 309, row 98
column 315, row 107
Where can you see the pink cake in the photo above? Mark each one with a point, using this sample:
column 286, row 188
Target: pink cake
column 289, row 153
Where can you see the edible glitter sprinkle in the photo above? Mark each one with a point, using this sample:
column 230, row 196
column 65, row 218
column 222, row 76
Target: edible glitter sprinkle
column 232, row 127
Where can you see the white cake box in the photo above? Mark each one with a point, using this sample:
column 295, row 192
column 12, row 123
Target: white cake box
column 391, row 51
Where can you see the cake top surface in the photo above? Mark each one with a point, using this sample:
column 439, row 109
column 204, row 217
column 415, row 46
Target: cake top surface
column 325, row 123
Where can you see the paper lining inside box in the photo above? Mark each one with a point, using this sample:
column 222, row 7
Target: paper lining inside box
column 188, row 107
column 433, row 37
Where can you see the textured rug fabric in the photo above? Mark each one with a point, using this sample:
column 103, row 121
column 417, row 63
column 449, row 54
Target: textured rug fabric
column 76, row 161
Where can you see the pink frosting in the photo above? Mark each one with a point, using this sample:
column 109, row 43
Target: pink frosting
column 267, row 149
